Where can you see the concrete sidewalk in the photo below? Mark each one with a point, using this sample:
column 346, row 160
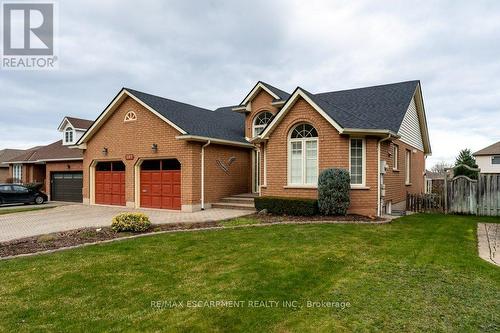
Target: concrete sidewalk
column 488, row 236
column 69, row 217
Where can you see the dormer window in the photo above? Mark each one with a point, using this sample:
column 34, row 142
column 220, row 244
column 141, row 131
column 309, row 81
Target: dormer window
column 260, row 122
column 68, row 135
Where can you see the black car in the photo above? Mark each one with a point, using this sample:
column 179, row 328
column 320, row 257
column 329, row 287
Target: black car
column 12, row 193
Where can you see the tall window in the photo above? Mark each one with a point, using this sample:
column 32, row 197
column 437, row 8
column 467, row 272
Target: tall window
column 260, row 122
column 303, row 155
column 357, row 160
column 17, row 173
column 408, row 167
column 395, row 157
column 68, row 135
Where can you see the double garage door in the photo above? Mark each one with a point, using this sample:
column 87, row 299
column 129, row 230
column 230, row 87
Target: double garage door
column 66, row 186
column 160, row 184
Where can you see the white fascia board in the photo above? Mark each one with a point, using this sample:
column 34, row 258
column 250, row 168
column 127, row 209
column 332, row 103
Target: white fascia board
column 375, row 132
column 212, row 140
column 255, row 90
column 156, row 113
column 62, row 125
column 423, row 120
column 290, row 102
column 82, row 146
column 243, row 108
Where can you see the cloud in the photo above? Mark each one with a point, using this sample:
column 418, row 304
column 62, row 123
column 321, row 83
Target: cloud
column 210, row 54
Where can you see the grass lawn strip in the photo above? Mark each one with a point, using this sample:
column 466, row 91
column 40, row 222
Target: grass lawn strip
column 5, row 211
column 418, row 273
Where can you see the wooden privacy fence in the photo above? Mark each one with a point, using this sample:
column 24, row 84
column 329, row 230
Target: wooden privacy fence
column 424, row 203
column 488, row 194
column 461, row 195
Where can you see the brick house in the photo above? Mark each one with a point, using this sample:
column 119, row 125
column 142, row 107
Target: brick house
column 148, row 151
column 57, row 165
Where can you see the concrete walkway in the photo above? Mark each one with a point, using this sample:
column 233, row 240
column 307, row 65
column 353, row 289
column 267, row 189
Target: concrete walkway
column 69, row 217
column 488, row 235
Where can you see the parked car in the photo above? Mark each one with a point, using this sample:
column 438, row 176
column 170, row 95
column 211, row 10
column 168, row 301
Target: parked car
column 12, row 193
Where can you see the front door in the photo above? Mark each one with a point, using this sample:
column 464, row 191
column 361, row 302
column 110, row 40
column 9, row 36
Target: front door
column 256, row 171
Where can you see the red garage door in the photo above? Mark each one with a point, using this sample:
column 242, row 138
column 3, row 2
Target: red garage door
column 110, row 183
column 161, row 184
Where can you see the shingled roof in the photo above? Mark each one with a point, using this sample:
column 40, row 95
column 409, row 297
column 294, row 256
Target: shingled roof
column 198, row 121
column 377, row 107
column 53, row 151
column 8, row 154
column 280, row 93
column 493, row 149
column 80, row 123
column 380, row 107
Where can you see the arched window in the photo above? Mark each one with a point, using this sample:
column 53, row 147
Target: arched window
column 260, row 122
column 303, row 155
column 68, row 135
column 130, row 116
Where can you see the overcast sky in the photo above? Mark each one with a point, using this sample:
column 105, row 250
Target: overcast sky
column 211, row 53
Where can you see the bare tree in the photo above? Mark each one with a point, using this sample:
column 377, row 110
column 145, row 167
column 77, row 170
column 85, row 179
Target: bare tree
column 440, row 166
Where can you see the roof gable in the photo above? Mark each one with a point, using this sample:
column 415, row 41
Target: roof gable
column 493, row 149
column 276, row 93
column 76, row 123
column 187, row 119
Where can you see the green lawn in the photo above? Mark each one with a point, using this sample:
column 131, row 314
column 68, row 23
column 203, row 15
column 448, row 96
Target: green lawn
column 420, row 273
column 22, row 209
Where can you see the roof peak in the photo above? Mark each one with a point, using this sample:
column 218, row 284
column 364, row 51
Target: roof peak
column 370, row 87
column 165, row 98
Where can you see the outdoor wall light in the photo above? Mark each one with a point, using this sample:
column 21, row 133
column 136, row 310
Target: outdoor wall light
column 154, row 148
column 105, row 151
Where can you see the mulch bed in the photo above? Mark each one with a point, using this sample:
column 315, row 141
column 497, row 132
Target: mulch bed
column 82, row 236
column 269, row 218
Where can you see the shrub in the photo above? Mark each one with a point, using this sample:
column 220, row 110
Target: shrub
column 34, row 186
column 134, row 222
column 287, row 206
column 333, row 191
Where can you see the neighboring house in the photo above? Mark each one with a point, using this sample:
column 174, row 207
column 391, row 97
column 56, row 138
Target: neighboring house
column 56, row 165
column 148, row 151
column 5, row 156
column 434, row 182
column 488, row 159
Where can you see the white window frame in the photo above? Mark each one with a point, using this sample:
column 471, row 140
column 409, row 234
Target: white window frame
column 395, row 157
column 261, row 126
column 69, row 130
column 363, row 165
column 17, row 173
column 303, row 141
column 493, row 157
column 130, row 116
column 408, row 167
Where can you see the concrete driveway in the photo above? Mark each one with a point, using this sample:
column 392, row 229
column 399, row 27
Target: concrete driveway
column 69, row 217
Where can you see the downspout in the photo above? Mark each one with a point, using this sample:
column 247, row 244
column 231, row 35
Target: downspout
column 379, row 186
column 203, row 174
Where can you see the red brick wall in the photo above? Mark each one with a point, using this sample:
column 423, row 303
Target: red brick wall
column 261, row 102
column 219, row 184
column 394, row 180
column 4, row 174
column 137, row 137
column 333, row 151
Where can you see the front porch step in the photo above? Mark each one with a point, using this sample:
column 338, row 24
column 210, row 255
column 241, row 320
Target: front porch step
column 245, row 195
column 229, row 205
column 235, row 199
